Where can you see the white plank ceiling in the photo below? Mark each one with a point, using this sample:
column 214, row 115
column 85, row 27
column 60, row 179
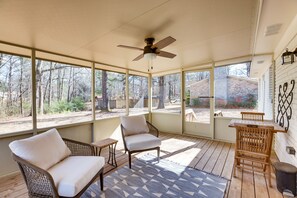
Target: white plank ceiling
column 205, row 30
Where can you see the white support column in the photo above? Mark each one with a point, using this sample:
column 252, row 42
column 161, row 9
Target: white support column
column 93, row 101
column 127, row 92
column 149, row 102
column 93, row 93
column 212, row 102
column 183, row 99
column 33, row 73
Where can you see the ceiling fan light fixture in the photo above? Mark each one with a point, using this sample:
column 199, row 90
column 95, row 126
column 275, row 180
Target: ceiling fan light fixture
column 151, row 50
column 150, row 56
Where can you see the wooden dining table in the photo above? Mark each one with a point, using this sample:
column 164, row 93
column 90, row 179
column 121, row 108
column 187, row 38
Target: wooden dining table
column 237, row 122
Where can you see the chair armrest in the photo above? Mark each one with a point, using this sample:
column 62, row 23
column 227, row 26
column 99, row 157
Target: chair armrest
column 152, row 129
column 39, row 182
column 79, row 148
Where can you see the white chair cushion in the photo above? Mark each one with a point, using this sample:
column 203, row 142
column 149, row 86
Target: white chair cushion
column 134, row 125
column 42, row 150
column 141, row 142
column 73, row 173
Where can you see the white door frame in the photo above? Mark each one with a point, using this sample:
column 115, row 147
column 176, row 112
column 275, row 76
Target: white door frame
column 212, row 102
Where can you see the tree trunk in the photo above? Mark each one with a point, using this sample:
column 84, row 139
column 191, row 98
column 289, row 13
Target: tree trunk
column 104, row 104
column 161, row 93
column 9, row 97
column 39, row 86
column 60, row 83
column 73, row 92
column 123, row 80
column 69, row 94
column 141, row 88
column 248, row 69
column 49, row 96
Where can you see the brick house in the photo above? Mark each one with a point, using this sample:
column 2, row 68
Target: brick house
column 229, row 91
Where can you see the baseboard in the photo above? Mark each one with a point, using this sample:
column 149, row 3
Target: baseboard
column 7, row 176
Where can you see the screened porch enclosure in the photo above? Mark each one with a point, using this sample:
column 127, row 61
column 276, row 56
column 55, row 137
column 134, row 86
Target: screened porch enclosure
column 80, row 67
column 63, row 93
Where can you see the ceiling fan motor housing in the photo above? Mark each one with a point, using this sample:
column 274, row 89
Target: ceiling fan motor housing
column 148, row 48
column 149, row 41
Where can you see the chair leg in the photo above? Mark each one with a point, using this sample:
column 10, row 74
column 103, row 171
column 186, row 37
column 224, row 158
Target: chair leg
column 101, row 181
column 234, row 167
column 269, row 174
column 129, row 159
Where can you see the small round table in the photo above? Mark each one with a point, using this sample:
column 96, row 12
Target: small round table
column 111, row 144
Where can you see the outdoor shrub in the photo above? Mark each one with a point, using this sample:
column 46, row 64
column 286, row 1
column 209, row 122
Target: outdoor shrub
column 77, row 104
column 195, row 102
column 188, row 98
column 249, row 101
column 59, row 107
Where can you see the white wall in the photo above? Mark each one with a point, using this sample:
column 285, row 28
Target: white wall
column 107, row 128
column 167, row 122
column 222, row 131
column 285, row 73
column 7, row 165
column 265, row 103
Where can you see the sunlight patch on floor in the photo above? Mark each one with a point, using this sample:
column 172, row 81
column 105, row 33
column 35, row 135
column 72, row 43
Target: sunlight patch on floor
column 173, row 144
column 186, row 157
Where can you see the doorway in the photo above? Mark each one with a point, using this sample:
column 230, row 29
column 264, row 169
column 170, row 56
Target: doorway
column 198, row 103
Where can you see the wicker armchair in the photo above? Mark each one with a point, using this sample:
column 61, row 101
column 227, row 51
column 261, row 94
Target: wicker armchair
column 41, row 182
column 137, row 140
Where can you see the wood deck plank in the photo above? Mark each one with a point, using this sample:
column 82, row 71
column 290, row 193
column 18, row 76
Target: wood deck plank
column 218, row 168
column 247, row 186
column 260, row 186
column 198, row 157
column 235, row 186
column 227, row 171
column 214, row 157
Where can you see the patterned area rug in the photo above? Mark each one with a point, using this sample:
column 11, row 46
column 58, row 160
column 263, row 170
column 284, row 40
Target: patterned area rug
column 148, row 178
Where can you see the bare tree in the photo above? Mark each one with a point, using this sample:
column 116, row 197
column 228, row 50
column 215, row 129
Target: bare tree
column 70, row 85
column 104, row 104
column 49, row 98
column 9, row 98
column 21, row 86
column 39, row 80
column 161, row 93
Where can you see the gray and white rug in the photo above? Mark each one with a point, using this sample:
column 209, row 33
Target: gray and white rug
column 147, row 178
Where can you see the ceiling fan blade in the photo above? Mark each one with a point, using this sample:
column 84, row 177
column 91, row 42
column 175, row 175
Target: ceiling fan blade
column 166, row 54
column 130, row 47
column 164, row 42
column 138, row 57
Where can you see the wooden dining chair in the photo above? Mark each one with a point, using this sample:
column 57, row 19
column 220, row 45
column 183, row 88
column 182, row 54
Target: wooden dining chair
column 259, row 116
column 253, row 145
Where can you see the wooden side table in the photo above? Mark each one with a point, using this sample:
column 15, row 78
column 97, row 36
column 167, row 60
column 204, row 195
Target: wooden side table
column 111, row 144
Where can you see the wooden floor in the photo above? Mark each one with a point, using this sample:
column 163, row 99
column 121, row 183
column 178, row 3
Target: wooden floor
column 211, row 156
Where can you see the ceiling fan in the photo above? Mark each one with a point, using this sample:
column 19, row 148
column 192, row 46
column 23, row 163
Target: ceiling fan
column 151, row 50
